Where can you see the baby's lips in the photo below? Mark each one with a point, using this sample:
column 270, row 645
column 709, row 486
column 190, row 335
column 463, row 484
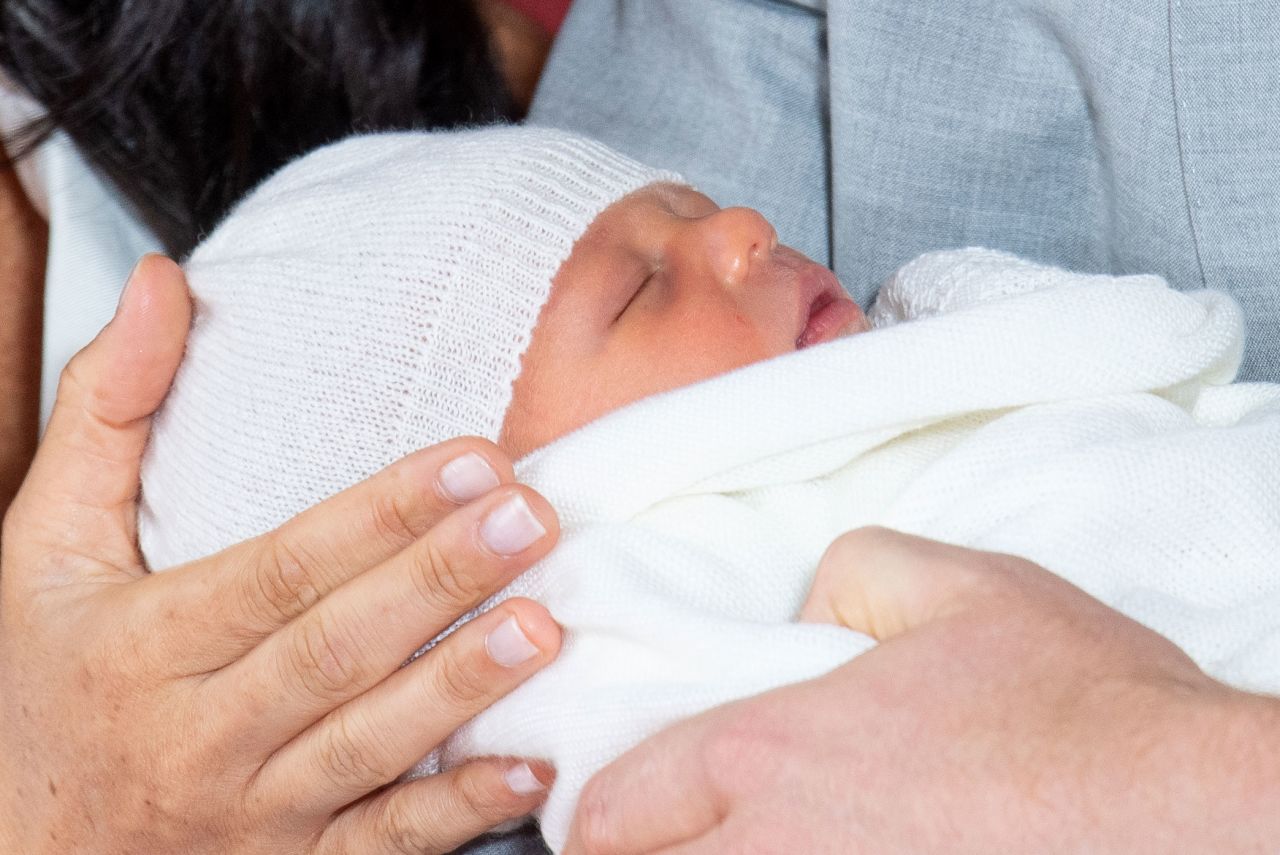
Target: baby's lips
column 836, row 318
column 826, row 310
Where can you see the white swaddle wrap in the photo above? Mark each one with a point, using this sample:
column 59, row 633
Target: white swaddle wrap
column 1075, row 420
column 1079, row 421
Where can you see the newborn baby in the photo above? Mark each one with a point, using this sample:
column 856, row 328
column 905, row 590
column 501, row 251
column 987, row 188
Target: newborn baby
column 686, row 393
column 380, row 296
column 664, row 289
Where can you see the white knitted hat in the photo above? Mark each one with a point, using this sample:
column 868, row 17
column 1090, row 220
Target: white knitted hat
column 373, row 298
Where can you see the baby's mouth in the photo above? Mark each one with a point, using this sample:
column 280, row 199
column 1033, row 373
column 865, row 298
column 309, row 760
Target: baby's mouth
column 830, row 313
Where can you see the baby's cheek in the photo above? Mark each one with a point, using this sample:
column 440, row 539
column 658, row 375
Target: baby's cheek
column 555, row 396
column 733, row 339
column 705, row 349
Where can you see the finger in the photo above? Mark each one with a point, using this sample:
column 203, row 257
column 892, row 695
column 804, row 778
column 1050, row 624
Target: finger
column 355, row 637
column 439, row 813
column 87, row 465
column 883, row 582
column 249, row 591
column 627, row 809
column 371, row 741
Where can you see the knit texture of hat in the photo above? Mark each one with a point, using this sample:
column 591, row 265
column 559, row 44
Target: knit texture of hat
column 372, row 298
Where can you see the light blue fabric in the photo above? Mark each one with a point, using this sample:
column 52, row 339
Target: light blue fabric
column 1118, row 136
column 724, row 90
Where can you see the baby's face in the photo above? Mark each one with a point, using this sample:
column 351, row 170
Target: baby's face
column 665, row 289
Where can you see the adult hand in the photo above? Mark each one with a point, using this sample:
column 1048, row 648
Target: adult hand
column 1004, row 711
column 252, row 701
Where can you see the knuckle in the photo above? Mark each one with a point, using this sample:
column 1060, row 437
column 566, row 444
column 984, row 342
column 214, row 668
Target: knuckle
column 439, row 577
column 202, row 749
column 223, row 722
column 845, row 550
column 76, row 390
column 458, row 680
column 351, row 755
column 71, row 385
column 744, row 748
column 1007, row 567
column 867, row 537
column 476, row 792
column 325, row 663
column 391, row 523
column 405, row 829
column 979, row 573
column 596, row 830
column 256, row 803
column 281, row 586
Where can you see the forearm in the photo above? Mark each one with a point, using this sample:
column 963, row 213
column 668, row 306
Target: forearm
column 23, row 240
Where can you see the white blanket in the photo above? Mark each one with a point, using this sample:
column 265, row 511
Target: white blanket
column 1080, row 421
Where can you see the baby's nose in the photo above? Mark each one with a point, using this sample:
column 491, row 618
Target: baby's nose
column 733, row 239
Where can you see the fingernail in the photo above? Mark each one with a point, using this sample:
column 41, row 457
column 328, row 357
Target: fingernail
column 522, row 781
column 511, row 528
column 467, row 477
column 124, row 292
column 508, row 645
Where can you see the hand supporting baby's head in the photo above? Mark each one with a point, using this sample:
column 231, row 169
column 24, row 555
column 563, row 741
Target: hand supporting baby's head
column 378, row 296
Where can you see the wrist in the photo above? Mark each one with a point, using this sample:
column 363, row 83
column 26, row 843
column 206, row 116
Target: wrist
column 1247, row 767
column 1189, row 766
column 1223, row 774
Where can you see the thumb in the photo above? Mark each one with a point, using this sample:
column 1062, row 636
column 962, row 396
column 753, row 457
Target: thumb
column 83, row 483
column 884, row 583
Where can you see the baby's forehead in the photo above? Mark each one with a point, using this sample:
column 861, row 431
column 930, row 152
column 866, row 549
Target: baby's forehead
column 621, row 228
column 635, row 211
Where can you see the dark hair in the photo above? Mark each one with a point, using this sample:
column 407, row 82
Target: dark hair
column 185, row 105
